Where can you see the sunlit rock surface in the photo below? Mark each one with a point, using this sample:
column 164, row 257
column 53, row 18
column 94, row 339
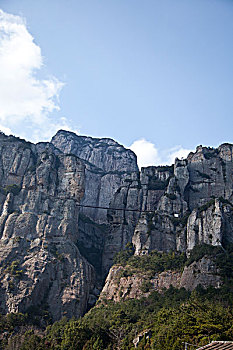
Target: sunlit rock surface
column 57, row 244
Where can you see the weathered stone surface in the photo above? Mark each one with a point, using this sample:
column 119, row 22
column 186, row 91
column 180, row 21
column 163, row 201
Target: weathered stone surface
column 210, row 224
column 107, row 164
column 39, row 259
column 190, row 204
column 106, row 154
column 171, row 193
column 203, row 272
column 174, row 193
column 52, row 247
column 122, row 222
column 132, row 286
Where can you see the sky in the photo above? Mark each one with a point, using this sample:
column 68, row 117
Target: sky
column 155, row 75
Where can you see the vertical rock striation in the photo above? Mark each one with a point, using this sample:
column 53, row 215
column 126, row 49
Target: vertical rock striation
column 54, row 252
column 190, row 203
column 108, row 165
column 40, row 262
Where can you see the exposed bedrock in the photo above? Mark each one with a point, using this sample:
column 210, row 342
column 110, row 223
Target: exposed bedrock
column 54, row 253
column 40, row 262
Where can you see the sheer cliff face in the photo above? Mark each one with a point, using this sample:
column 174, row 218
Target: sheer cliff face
column 40, row 262
column 190, row 204
column 51, row 250
column 180, row 198
column 42, row 240
column 107, row 164
column 127, row 283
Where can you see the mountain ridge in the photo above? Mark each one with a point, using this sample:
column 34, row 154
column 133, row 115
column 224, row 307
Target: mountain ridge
column 45, row 188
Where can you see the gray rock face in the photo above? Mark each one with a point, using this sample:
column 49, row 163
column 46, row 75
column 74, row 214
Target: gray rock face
column 210, row 174
column 119, row 287
column 190, row 203
column 106, row 154
column 205, row 226
column 203, row 272
column 122, row 222
column 107, row 164
column 39, row 259
column 173, row 194
column 51, row 249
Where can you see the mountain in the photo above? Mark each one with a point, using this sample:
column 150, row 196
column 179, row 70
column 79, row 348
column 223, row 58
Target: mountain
column 58, row 240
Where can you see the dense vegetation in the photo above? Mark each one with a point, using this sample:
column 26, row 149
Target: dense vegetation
column 173, row 317
column 154, row 262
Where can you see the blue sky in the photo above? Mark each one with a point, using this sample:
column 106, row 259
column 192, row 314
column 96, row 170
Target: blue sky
column 157, row 74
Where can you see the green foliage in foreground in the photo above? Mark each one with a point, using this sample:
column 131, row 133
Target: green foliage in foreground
column 14, row 269
column 173, row 317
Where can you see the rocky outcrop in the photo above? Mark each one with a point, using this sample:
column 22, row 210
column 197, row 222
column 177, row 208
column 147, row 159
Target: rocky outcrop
column 210, row 175
column 203, row 272
column 181, row 206
column 151, row 209
column 107, row 164
column 127, row 283
column 40, row 262
column 121, row 284
column 122, row 222
column 57, row 242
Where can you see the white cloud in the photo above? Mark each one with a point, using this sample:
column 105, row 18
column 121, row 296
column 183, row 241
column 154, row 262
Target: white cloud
column 177, row 152
column 50, row 128
column 148, row 154
column 24, row 97
column 6, row 130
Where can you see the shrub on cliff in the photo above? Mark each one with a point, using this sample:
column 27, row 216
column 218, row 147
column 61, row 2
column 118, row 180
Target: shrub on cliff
column 15, row 189
column 154, row 262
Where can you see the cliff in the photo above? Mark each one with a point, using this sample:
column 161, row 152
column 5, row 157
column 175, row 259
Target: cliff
column 178, row 206
column 58, row 243
column 107, row 164
column 41, row 265
column 126, row 282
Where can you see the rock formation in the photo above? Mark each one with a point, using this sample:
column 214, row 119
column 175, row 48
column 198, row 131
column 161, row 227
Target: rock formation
column 40, row 262
column 57, row 243
column 107, row 163
column 189, row 204
column 133, row 284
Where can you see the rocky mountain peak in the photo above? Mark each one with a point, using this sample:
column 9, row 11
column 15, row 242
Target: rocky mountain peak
column 69, row 205
column 104, row 153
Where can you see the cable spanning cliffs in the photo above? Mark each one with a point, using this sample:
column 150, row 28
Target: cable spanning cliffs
column 190, row 204
column 107, row 166
column 57, row 244
column 44, row 239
